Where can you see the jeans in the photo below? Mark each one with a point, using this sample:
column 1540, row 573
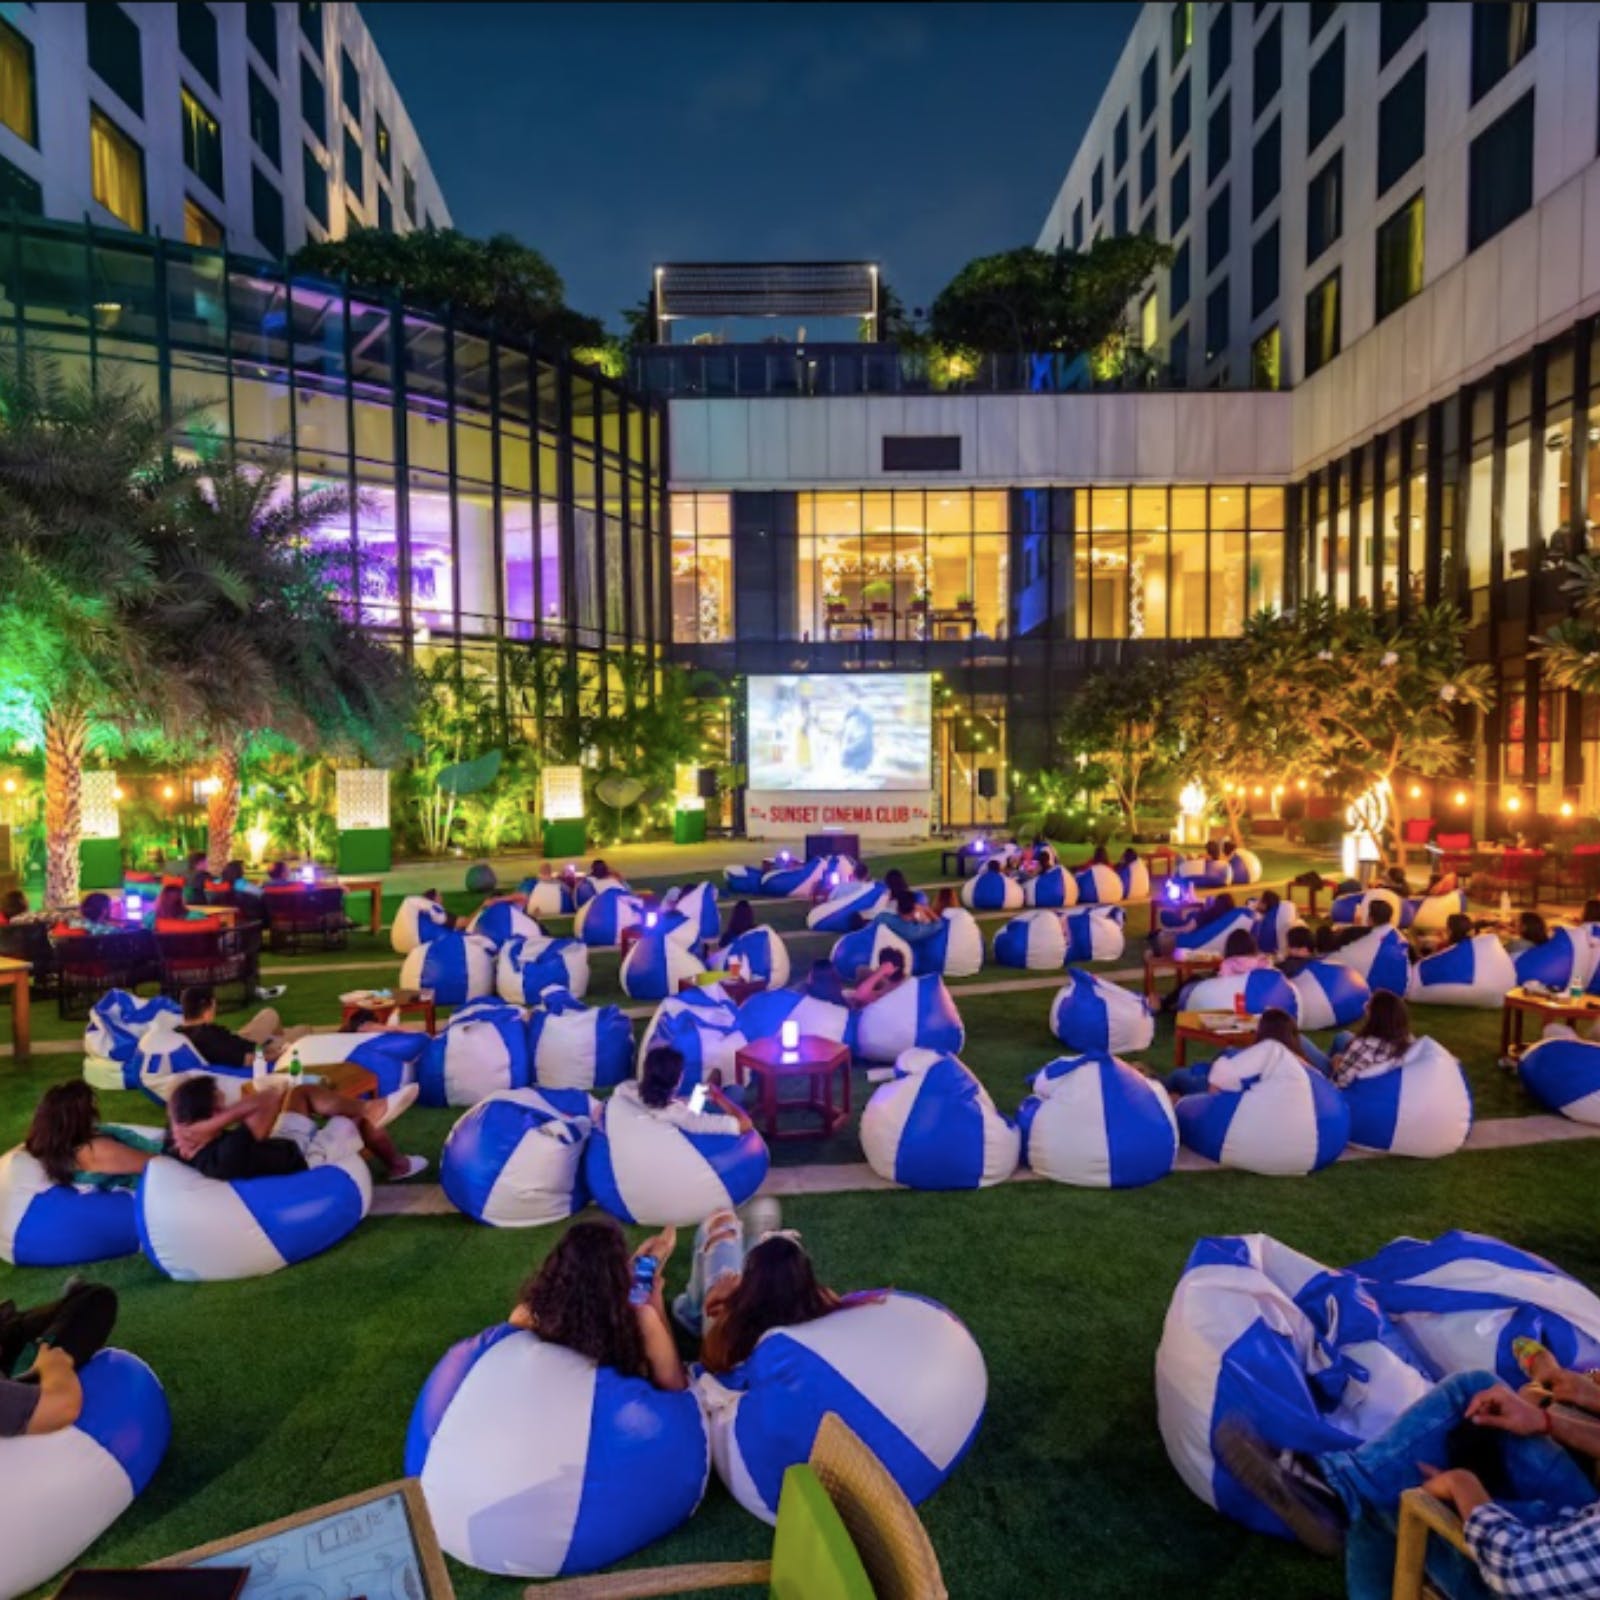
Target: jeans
column 714, row 1260
column 79, row 1323
column 1189, row 1080
column 1535, row 1478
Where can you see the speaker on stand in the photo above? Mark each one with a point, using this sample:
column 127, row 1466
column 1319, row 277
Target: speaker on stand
column 988, row 788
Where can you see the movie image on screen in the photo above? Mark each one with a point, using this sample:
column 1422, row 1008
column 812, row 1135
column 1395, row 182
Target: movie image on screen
column 828, row 733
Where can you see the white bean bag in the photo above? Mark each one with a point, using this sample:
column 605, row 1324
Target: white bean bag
column 45, row 1224
column 1476, row 972
column 992, row 891
column 525, row 968
column 1263, row 988
column 604, row 917
column 656, row 963
column 1382, row 957
column 1035, row 942
column 1272, row 927
column 1429, row 913
column 963, row 948
column 1244, row 866
column 1095, row 933
column 864, row 948
column 1563, row 959
column 762, row 1015
column 574, row 1046
column 392, row 1057
column 165, row 1058
column 418, row 921
column 702, row 1025
column 457, row 967
column 1420, row 1107
column 64, row 1489
column 1091, row 1015
column 1210, row 937
column 589, row 888
column 201, row 1230
column 902, row 1372
column 537, row 1463
column 1258, row 1331
column 933, row 1126
column 1562, row 1072
column 502, row 922
column 1055, row 886
column 117, row 1023
column 1098, row 1123
column 1099, row 886
column 476, row 1056
column 515, row 1160
column 550, row 897
column 1330, row 996
column 1353, row 908
column 917, row 1013
column 1202, row 869
column 643, row 1168
column 764, row 954
column 837, row 914
column 1288, row 1120
column 698, row 907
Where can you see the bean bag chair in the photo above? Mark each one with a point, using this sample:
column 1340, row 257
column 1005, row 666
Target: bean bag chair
column 476, row 1056
column 933, row 1126
column 525, row 968
column 917, row 1014
column 202, row 1230
column 1462, row 1299
column 1349, row 909
column 1091, row 1015
column 798, row 880
column 515, row 1160
column 587, row 888
column 1429, row 913
column 1203, row 870
column 656, row 963
column 1382, row 957
column 1420, row 1107
column 45, row 1224
column 762, row 1015
column 642, row 1168
column 1095, row 1122
column 1135, row 880
column 992, row 891
column 702, row 1025
column 1562, row 1072
column 1099, row 886
column 1036, row 942
column 1210, row 937
column 603, row 917
column 64, row 1489
column 457, row 967
column 838, row 914
column 117, row 1022
column 165, row 1057
column 744, row 881
column 392, row 1057
column 1094, row 933
column 1055, row 886
column 698, row 907
column 1244, row 866
column 1300, row 1352
column 865, row 947
column 1557, row 963
column 1288, row 1120
column 1330, row 996
column 574, row 1046
column 763, row 952
column 1264, row 987
column 963, row 945
column 549, row 897
column 1476, row 972
column 903, row 1372
column 1272, row 928
column 502, row 922
column 537, row 1463
column 418, row 921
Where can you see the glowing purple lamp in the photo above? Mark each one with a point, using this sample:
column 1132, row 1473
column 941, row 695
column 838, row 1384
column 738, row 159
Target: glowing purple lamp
column 650, row 919
column 789, row 1039
column 1174, row 890
column 977, row 847
column 308, row 874
column 783, row 855
column 132, row 908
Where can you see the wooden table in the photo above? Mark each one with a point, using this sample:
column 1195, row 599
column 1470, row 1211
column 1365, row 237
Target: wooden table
column 16, row 975
column 1187, row 964
column 965, row 856
column 383, row 1010
column 373, row 889
column 1312, row 892
column 343, row 1077
column 1547, row 1007
column 738, row 990
column 228, row 916
column 819, row 1061
column 1224, row 1029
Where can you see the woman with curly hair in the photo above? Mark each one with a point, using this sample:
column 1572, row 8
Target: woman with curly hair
column 66, row 1139
column 580, row 1298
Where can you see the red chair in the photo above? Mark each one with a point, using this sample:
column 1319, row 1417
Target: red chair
column 1455, row 852
column 1417, row 831
column 1516, row 873
column 297, row 912
column 90, row 964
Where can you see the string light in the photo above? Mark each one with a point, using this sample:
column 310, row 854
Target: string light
column 1514, row 803
column 1416, row 791
column 1460, row 797
column 11, row 785
column 167, row 791
column 1566, row 808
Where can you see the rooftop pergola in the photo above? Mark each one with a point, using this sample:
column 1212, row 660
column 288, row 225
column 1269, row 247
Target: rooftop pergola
column 701, row 290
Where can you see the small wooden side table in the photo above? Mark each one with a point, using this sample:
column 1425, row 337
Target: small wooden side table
column 373, row 889
column 343, row 1077
column 1224, row 1029
column 16, row 975
column 1186, row 964
column 384, row 1010
column 1547, row 1007
column 820, row 1061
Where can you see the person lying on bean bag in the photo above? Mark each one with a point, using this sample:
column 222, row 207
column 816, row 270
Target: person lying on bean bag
column 45, row 1396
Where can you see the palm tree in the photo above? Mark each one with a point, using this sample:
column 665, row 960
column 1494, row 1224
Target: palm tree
column 1569, row 653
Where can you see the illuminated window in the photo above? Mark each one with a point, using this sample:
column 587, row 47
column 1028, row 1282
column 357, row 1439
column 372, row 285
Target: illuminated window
column 117, row 170
column 202, row 142
column 1182, row 30
column 380, row 140
column 702, row 568
column 1149, row 321
column 16, row 84
column 1322, row 323
column 1266, row 360
column 1400, row 257
column 200, row 227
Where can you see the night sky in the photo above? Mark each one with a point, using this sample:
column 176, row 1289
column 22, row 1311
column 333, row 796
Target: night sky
column 614, row 136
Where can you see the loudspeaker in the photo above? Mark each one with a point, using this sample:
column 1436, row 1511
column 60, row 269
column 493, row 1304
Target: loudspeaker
column 987, row 787
column 708, row 783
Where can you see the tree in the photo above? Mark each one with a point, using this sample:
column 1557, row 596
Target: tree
column 1120, row 727
column 498, row 279
column 1216, row 705
column 454, row 723
column 1569, row 653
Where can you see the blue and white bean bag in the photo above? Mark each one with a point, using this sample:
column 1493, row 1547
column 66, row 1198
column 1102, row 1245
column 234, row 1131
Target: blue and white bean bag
column 963, row 943
column 64, row 1489
column 917, row 1014
column 419, row 920
column 1095, row 933
column 1463, row 1298
column 1099, row 886
column 477, row 1055
column 702, row 1025
column 1562, row 1072
column 1055, row 886
column 1035, row 942
column 1557, row 963
column 201, row 1230
column 1476, row 972
column 903, row 1372
column 1263, row 988
column 117, row 1023
column 605, row 916
column 502, row 922
column 933, row 1126
column 992, row 891
column 1428, row 913
column 525, row 968
column 865, row 947
column 45, row 1224
column 1382, row 957
column 1330, row 996
column 1420, row 1107
column 1095, row 1122
column 574, row 1046
column 1244, row 866
column 657, row 962
column 550, row 897
column 392, row 1057
column 1091, row 1015
column 589, row 888
column 1272, row 927
column 642, row 1167
column 763, row 952
column 838, row 913
column 1256, row 1330
column 1349, row 909
column 1287, row 1119
column 165, row 1057
column 537, row 1463
column 698, row 907
column 1210, row 937
column 515, row 1160
column 1135, row 877
column 762, row 1015
column 457, row 967
column 1203, row 870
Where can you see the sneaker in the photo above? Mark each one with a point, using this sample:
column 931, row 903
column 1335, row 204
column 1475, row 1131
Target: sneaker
column 271, row 991
column 396, row 1105
column 411, row 1167
column 1311, row 1517
column 762, row 1216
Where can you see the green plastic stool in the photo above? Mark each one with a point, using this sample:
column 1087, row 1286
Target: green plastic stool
column 813, row 1555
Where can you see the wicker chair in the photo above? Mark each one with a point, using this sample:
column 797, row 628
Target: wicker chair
column 30, row 941
column 893, row 1546
column 1421, row 1515
column 1516, row 873
column 223, row 959
column 297, row 914
column 90, row 964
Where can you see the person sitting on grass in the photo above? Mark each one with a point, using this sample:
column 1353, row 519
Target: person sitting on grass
column 274, row 1134
column 1377, row 1046
column 67, row 1139
column 1299, row 951
column 580, row 1299
column 873, row 983
column 224, row 1047
column 657, row 1092
column 41, row 1350
column 1274, row 1026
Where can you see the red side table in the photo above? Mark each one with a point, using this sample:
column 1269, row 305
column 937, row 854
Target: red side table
column 820, row 1061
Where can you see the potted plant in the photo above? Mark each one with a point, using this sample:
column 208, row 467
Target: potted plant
column 921, row 598
column 878, row 594
column 833, row 603
column 964, row 602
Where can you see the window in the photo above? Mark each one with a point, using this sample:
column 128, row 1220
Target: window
column 114, row 53
column 313, row 100
column 261, row 28
column 1266, row 167
column 1147, row 223
column 311, row 22
column 1178, row 282
column 1178, row 127
column 1500, row 173
column 1322, row 323
column 116, row 166
column 19, row 190
column 1182, row 31
column 385, row 212
column 16, row 85
column 410, row 187
column 1266, row 360
column 1077, row 212
column 1402, row 125
column 1097, row 189
column 350, row 84
column 1269, row 63
column 315, row 177
column 1325, row 208
column 1219, row 139
column 1219, row 47
column 1264, row 271
column 200, row 227
column 264, row 129
column 1147, row 90
column 266, row 212
column 1217, row 231
column 202, row 141
column 1217, row 321
column 1400, row 257
column 1327, row 94
column 197, row 38
column 380, row 141
column 1502, row 34
column 1397, row 21
column 1178, row 357
column 1178, row 202
column 355, row 167
column 1119, row 213
column 1119, row 144
column 1321, row 15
